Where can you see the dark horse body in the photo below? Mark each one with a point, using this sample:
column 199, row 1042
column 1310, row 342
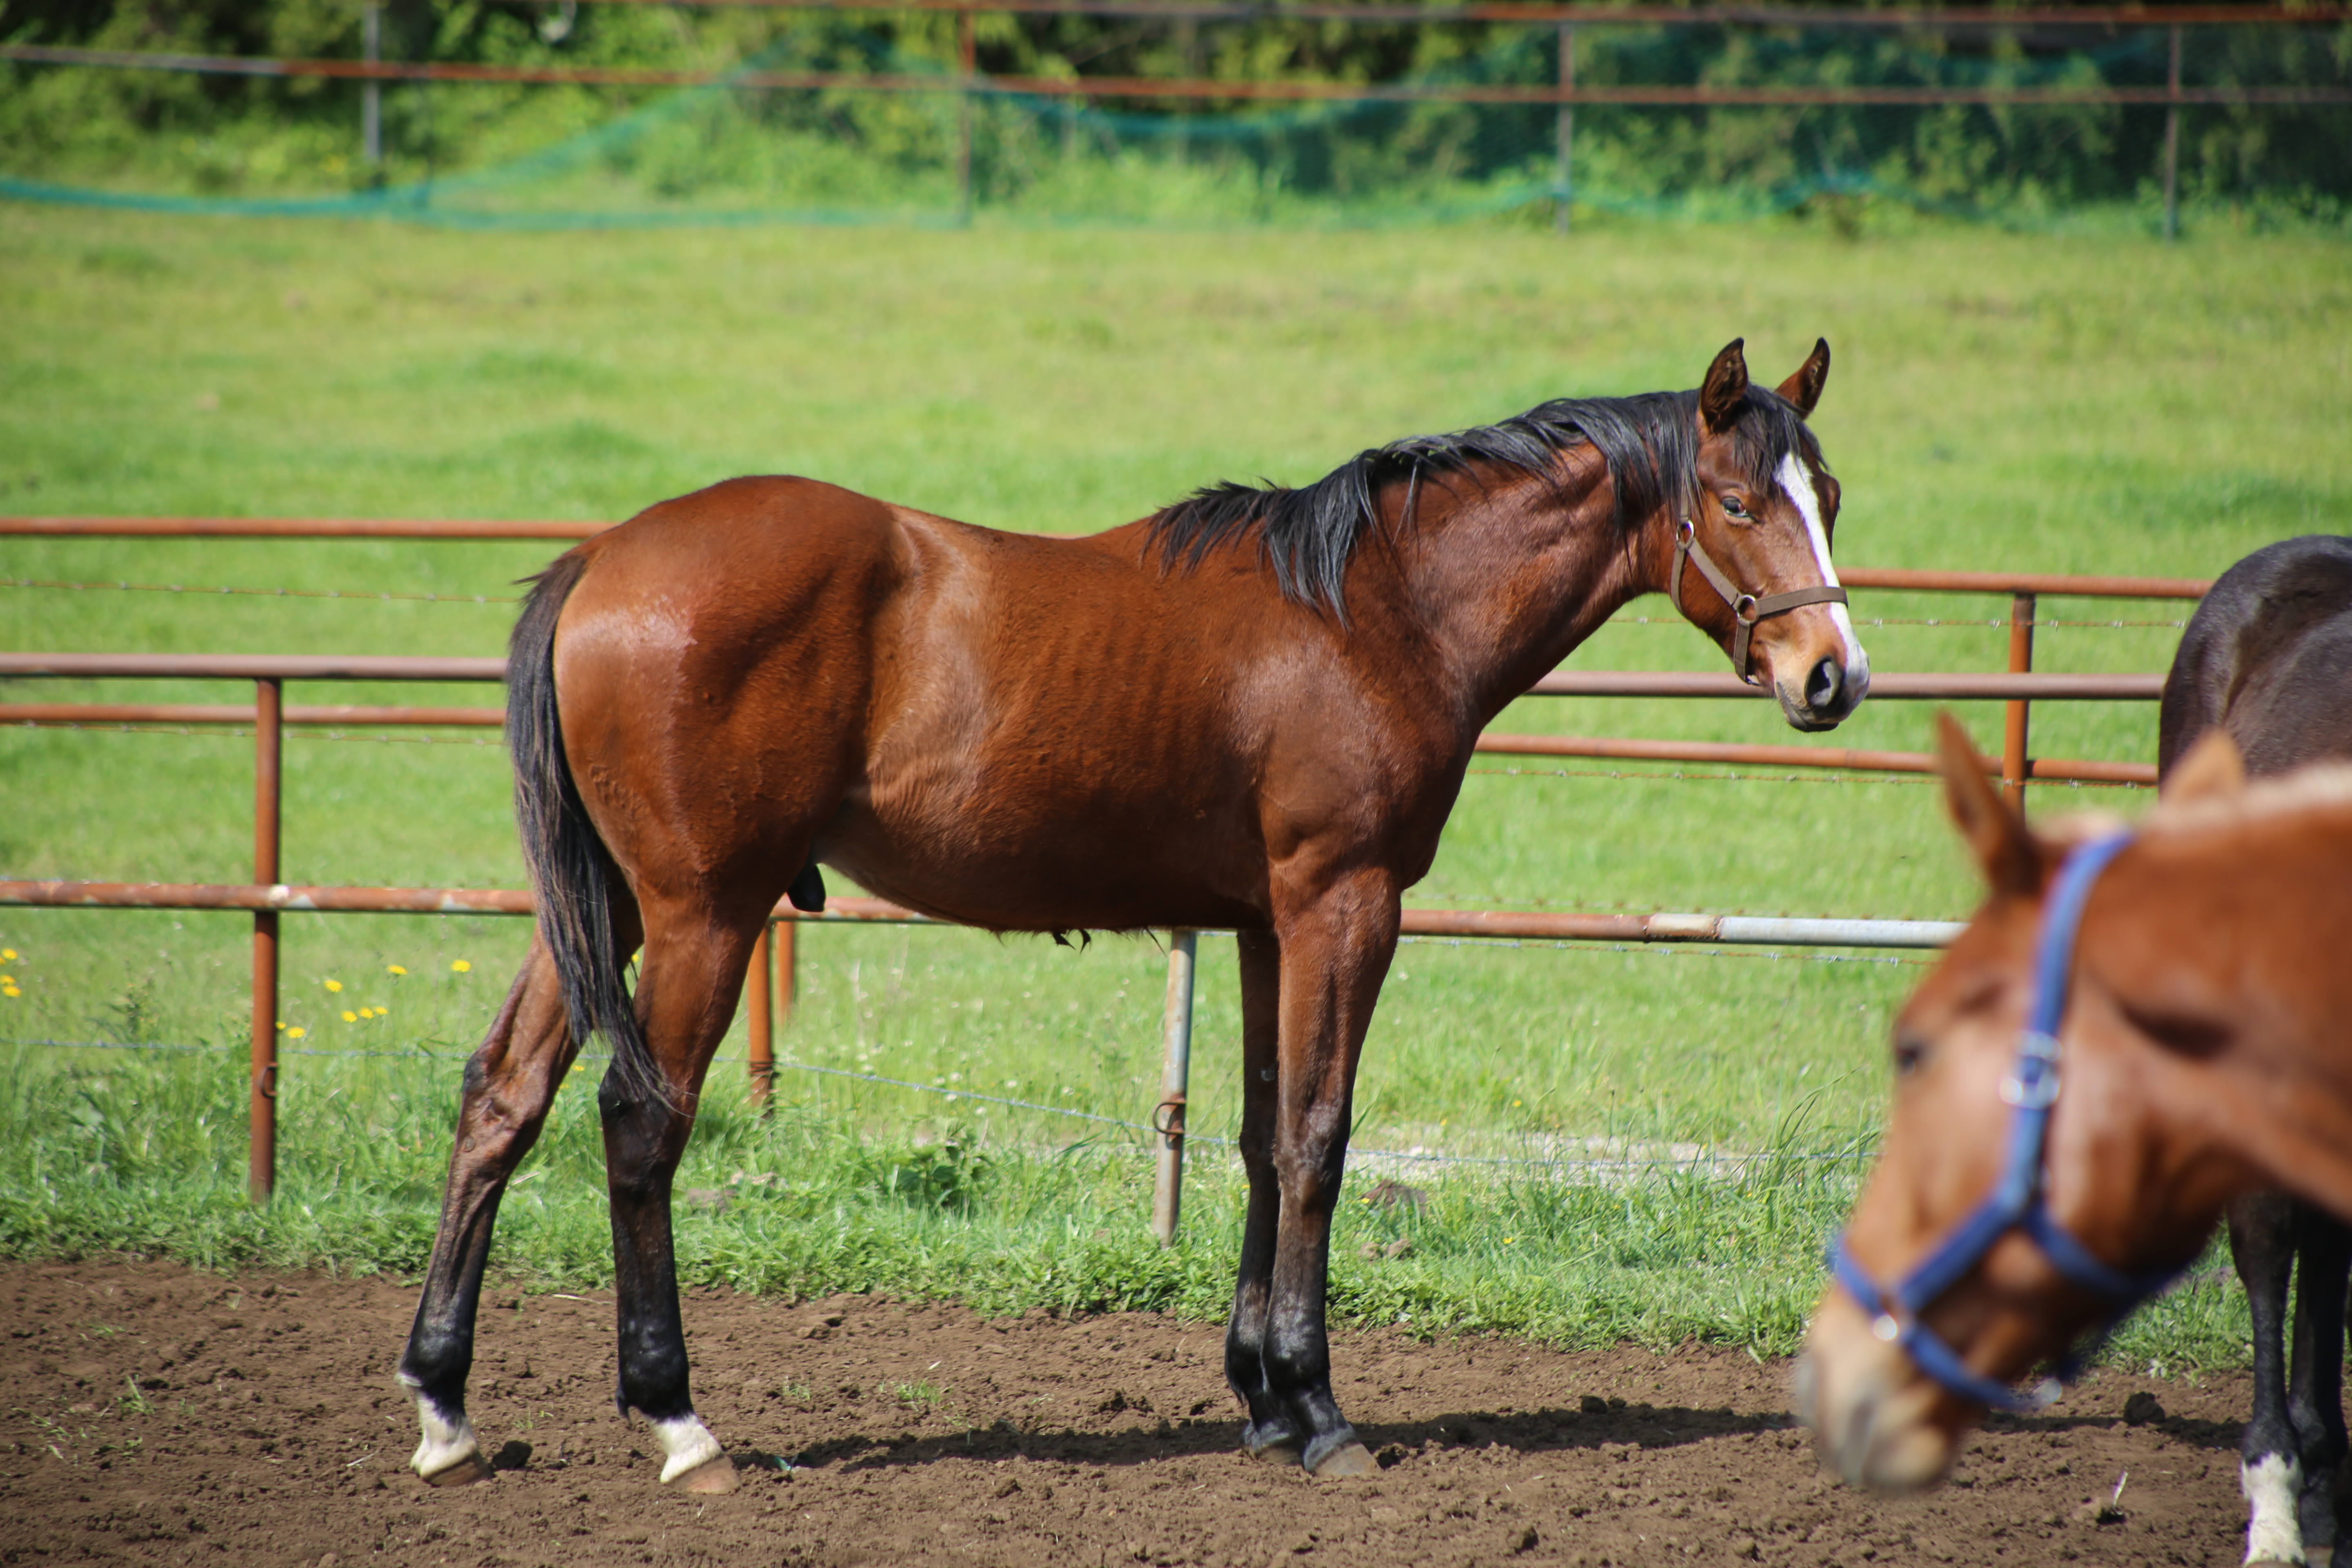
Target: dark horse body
column 2267, row 660
column 1252, row 710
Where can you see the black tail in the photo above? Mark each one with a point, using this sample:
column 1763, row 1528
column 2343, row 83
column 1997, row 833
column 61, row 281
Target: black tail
column 571, row 870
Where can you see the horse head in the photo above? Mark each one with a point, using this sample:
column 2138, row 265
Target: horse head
column 2004, row 1222
column 1751, row 542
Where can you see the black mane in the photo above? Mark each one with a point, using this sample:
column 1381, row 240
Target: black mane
column 1650, row 443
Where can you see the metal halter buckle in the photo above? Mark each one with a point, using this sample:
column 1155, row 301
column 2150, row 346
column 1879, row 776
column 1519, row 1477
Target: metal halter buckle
column 1746, row 608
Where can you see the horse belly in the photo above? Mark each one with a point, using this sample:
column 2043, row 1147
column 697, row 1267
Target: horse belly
column 1052, row 849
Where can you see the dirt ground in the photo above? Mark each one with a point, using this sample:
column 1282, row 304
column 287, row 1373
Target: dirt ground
column 159, row 1414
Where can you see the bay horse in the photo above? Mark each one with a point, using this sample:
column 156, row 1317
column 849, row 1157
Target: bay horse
column 2267, row 660
column 2187, row 987
column 1251, row 711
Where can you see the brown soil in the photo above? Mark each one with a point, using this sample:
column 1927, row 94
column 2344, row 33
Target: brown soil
column 165, row 1416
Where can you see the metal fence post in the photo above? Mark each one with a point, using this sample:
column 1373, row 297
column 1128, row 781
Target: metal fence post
column 759, row 1047
column 371, row 90
column 1175, row 1074
column 2014, row 763
column 1564, row 170
column 2172, row 139
column 967, row 57
column 784, row 940
column 261, row 1147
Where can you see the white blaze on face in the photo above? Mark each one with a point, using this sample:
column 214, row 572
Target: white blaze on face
column 1797, row 483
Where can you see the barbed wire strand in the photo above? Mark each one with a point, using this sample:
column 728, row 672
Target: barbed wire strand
column 1949, row 623
column 303, row 733
column 1820, row 778
column 265, row 592
column 1611, row 1163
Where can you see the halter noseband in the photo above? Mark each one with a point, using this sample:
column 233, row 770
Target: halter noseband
column 1747, row 609
column 2018, row 1200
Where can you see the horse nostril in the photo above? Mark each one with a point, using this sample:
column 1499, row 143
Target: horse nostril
column 1822, row 688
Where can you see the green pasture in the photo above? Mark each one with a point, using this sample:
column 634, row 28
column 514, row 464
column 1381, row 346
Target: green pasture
column 1996, row 400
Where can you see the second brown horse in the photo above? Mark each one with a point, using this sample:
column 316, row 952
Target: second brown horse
column 1252, row 710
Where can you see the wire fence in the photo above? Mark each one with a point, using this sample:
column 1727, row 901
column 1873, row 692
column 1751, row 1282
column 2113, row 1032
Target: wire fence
column 1949, row 623
column 1049, row 111
column 1627, row 1158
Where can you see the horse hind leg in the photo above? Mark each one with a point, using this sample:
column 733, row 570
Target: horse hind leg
column 1271, row 1434
column 2270, row 1464
column 509, row 1083
column 691, row 978
column 2316, row 1378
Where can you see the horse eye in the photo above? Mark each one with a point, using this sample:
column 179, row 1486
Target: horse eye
column 1731, row 507
column 1908, row 1049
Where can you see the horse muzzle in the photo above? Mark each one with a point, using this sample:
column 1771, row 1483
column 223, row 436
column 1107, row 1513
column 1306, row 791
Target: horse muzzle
column 1873, row 1417
column 1825, row 694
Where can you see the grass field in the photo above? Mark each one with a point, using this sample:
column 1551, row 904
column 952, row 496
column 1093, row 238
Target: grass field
column 1997, row 400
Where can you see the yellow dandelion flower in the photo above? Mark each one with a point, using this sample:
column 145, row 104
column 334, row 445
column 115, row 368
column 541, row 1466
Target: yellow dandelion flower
column 1508, row 1240
column 7, row 980
column 8, row 955
column 296, row 1032
column 1515, row 1105
column 349, row 1017
column 281, row 1023
column 577, row 1067
column 10, row 991
column 461, row 966
column 393, row 969
column 334, row 985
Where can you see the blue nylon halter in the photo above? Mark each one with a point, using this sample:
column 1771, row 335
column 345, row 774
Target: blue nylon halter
column 2017, row 1201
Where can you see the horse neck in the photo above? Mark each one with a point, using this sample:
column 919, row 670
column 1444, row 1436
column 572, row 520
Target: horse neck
column 1505, row 574
column 2234, row 975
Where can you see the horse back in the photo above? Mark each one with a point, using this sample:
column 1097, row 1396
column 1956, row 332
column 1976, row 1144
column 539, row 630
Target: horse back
column 2268, row 657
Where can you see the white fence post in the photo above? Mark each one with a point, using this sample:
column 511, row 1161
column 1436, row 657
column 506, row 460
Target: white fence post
column 1175, row 1072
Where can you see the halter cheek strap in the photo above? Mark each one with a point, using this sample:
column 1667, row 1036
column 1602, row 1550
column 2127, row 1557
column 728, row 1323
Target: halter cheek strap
column 1746, row 608
column 2018, row 1200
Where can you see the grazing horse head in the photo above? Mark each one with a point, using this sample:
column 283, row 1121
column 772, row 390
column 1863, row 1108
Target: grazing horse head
column 1751, row 542
column 2181, row 988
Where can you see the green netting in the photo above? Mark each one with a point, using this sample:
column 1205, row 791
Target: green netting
column 737, row 153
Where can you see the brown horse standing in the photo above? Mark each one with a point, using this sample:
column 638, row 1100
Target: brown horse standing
column 1252, row 710
column 2206, row 1051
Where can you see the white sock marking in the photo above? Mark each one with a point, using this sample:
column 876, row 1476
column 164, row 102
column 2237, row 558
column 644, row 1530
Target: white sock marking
column 447, row 1442
column 687, row 1443
column 1797, row 483
column 2274, row 1531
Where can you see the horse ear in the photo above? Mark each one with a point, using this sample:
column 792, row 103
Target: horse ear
column 1725, row 389
column 1804, row 388
column 2002, row 843
column 2214, row 769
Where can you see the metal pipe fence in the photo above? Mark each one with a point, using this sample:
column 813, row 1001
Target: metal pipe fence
column 772, row 982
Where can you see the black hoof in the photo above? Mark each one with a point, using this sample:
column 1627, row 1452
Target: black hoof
column 1335, row 1456
column 1274, row 1441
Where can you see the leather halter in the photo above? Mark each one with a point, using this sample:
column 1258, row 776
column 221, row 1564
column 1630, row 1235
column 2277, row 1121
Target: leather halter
column 2018, row 1200
column 1746, row 608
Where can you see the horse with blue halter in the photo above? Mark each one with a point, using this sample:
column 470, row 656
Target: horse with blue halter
column 1252, row 710
column 2135, row 1029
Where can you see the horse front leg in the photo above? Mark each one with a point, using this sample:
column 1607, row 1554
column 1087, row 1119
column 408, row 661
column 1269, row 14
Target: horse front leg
column 690, row 980
column 1335, row 953
column 509, row 1083
column 1271, row 1434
